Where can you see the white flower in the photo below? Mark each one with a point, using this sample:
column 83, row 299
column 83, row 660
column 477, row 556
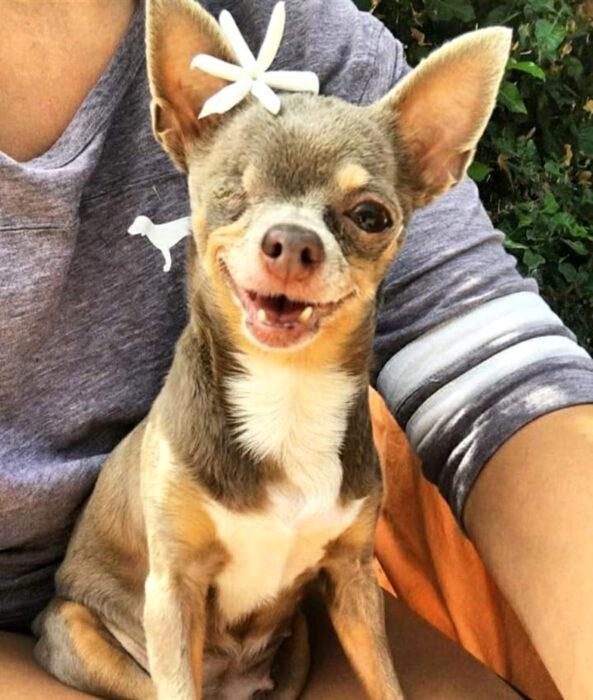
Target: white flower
column 252, row 75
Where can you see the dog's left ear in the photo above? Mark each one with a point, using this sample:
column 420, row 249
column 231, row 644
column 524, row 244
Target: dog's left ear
column 176, row 31
column 440, row 110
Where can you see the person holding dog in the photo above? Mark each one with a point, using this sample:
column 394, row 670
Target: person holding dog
column 506, row 432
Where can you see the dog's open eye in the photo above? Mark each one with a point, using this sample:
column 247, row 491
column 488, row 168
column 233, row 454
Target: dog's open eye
column 370, row 217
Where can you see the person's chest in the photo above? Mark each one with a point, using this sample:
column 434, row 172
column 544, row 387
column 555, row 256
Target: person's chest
column 88, row 318
column 50, row 58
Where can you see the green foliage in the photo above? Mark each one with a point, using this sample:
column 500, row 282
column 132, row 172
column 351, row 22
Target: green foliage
column 534, row 164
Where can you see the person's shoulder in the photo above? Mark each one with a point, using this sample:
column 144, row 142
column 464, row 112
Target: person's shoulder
column 352, row 52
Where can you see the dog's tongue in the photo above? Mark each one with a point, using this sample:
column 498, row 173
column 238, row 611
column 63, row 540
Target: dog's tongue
column 280, row 309
column 278, row 321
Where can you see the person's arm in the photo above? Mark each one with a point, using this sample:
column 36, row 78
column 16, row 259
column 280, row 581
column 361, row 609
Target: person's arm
column 530, row 514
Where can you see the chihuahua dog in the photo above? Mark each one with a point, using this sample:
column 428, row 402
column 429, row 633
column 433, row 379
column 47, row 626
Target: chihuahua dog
column 255, row 475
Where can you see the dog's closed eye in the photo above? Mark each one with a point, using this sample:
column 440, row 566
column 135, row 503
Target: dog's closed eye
column 230, row 203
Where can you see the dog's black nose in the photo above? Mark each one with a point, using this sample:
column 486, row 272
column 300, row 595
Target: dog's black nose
column 292, row 252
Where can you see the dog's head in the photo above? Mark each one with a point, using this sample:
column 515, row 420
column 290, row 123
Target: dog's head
column 297, row 216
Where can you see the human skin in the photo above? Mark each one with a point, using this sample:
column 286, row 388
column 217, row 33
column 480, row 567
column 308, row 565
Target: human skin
column 39, row 44
column 529, row 513
column 428, row 665
column 530, row 516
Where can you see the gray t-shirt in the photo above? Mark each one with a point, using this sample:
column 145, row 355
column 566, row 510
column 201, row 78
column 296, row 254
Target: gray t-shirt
column 467, row 353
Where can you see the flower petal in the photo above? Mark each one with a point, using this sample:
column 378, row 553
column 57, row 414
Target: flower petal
column 251, row 75
column 242, row 52
column 293, row 80
column 227, row 98
column 266, row 96
column 221, row 69
column 271, row 43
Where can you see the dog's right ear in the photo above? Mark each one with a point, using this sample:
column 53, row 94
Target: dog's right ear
column 440, row 110
column 176, row 31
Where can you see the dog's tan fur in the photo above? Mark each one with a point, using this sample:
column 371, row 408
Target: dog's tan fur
column 351, row 177
column 227, row 480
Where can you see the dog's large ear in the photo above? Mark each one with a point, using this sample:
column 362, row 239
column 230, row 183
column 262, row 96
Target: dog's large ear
column 176, row 31
column 440, row 110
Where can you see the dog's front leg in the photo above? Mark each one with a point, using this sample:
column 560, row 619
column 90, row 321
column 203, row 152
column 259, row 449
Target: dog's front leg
column 174, row 635
column 355, row 605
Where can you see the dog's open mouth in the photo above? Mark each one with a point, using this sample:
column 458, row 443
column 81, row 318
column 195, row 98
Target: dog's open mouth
column 278, row 321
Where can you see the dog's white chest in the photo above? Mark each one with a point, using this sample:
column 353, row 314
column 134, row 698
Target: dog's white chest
column 298, row 419
column 269, row 551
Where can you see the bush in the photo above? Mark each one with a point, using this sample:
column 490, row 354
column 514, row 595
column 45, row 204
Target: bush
column 534, row 164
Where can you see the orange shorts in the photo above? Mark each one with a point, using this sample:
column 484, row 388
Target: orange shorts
column 424, row 559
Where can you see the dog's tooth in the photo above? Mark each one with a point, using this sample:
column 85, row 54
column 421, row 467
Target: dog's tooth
column 306, row 314
column 262, row 317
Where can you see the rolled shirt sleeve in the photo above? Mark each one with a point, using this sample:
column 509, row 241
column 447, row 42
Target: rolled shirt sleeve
column 467, row 352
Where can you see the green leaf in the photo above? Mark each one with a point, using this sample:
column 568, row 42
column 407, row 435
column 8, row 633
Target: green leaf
column 563, row 220
column 524, row 33
column 478, row 171
column 568, row 271
column 510, row 97
column 541, row 6
column 574, row 68
column 363, row 4
column 501, row 15
column 527, row 67
column 532, row 260
column 578, row 246
column 549, row 37
column 551, row 206
column 588, row 199
column 575, row 230
column 445, row 10
column 553, row 168
column 585, row 140
column 513, row 245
